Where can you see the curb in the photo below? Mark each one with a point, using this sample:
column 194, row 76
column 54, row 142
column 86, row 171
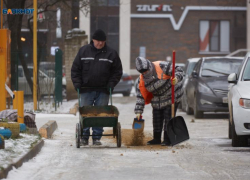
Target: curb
column 32, row 153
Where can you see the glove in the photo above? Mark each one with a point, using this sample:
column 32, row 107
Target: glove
column 110, row 85
column 77, row 86
column 174, row 81
column 138, row 116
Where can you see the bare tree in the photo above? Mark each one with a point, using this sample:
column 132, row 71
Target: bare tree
column 15, row 25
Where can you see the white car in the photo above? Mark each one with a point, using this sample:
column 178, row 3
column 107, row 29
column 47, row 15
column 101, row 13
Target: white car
column 239, row 104
column 46, row 82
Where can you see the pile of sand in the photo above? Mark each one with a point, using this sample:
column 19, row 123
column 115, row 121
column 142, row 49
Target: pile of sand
column 138, row 140
column 132, row 137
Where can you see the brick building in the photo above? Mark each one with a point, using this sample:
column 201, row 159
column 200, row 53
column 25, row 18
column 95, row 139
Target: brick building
column 154, row 29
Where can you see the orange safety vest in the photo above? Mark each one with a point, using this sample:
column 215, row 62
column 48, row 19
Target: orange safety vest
column 160, row 75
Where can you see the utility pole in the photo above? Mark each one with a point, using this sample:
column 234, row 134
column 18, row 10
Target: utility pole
column 1, row 14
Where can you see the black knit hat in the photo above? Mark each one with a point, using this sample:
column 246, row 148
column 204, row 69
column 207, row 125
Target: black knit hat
column 99, row 35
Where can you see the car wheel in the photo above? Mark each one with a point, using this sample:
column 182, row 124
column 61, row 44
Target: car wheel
column 126, row 94
column 197, row 114
column 229, row 128
column 238, row 141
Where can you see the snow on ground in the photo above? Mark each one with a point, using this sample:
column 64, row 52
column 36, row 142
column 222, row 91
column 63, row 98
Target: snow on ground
column 16, row 148
column 46, row 106
column 207, row 155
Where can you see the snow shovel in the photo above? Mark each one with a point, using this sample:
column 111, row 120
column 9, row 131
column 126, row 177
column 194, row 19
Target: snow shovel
column 138, row 124
column 176, row 127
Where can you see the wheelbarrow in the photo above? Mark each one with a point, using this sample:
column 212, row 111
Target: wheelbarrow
column 98, row 116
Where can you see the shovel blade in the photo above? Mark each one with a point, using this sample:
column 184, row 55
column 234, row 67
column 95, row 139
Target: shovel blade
column 138, row 124
column 177, row 130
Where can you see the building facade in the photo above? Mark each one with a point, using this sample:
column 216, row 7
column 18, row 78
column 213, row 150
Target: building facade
column 194, row 28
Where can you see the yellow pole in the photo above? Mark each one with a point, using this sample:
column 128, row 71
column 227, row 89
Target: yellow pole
column 1, row 14
column 35, row 54
column 20, row 114
column 15, row 103
column 3, row 65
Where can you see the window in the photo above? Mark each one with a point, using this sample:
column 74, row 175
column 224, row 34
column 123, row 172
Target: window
column 108, row 2
column 214, row 36
column 20, row 72
column 105, row 16
column 246, row 74
column 142, row 51
column 220, row 67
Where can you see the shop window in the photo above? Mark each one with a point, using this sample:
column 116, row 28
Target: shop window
column 107, row 19
column 214, row 36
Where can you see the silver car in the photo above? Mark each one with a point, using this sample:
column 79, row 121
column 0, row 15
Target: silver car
column 190, row 64
column 125, row 85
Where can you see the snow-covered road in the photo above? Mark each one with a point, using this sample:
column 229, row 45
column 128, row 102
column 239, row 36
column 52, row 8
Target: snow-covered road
column 207, row 155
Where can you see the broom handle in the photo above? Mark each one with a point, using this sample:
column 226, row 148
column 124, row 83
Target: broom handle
column 173, row 76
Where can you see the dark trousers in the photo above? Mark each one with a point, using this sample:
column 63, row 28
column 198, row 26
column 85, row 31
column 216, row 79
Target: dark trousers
column 161, row 117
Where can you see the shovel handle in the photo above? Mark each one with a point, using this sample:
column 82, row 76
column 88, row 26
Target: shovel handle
column 173, row 76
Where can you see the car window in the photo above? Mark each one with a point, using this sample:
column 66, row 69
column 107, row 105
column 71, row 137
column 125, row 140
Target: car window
column 220, row 67
column 31, row 72
column 246, row 73
column 20, row 72
column 190, row 68
column 196, row 67
column 185, row 67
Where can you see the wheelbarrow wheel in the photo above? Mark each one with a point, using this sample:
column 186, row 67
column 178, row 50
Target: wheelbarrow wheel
column 78, row 135
column 118, row 135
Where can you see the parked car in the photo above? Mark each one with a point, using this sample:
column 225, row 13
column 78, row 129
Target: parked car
column 239, row 104
column 125, row 85
column 190, row 64
column 182, row 65
column 207, row 87
column 49, row 69
column 45, row 82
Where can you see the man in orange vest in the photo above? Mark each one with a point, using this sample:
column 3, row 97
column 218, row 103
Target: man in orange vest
column 154, row 87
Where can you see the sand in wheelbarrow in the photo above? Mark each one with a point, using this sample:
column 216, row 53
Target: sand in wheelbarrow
column 99, row 115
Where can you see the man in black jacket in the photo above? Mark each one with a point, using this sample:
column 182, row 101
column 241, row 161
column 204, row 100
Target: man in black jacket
column 96, row 65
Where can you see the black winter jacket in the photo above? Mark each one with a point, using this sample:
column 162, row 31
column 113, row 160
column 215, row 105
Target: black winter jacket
column 96, row 68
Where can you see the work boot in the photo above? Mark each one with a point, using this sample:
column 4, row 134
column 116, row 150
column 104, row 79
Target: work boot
column 156, row 140
column 166, row 141
column 97, row 142
column 84, row 141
